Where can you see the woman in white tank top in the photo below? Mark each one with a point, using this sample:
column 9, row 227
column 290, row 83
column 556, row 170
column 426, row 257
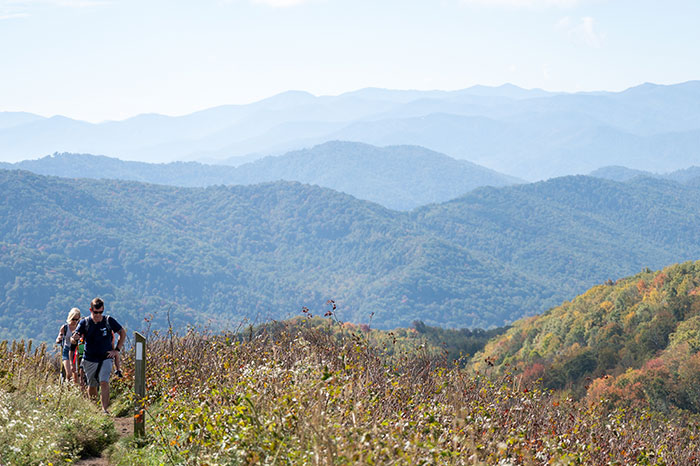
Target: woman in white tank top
column 63, row 339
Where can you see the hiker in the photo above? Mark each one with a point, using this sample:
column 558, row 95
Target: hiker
column 67, row 348
column 99, row 352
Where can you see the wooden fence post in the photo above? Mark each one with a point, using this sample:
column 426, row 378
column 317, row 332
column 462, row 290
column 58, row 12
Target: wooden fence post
column 140, row 385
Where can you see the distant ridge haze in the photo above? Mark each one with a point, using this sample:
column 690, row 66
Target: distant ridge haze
column 617, row 173
column 398, row 177
column 531, row 134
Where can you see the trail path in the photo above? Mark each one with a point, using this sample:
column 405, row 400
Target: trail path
column 124, row 427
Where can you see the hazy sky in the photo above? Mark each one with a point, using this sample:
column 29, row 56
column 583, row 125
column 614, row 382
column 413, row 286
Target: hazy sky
column 111, row 59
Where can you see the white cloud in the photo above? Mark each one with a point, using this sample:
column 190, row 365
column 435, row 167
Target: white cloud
column 82, row 3
column 546, row 74
column 13, row 16
column 581, row 32
column 271, row 3
column 12, row 9
column 281, row 3
column 525, row 3
column 587, row 33
column 60, row 3
column 564, row 23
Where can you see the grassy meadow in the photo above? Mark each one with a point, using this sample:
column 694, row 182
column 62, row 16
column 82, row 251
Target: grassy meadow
column 315, row 391
column 41, row 420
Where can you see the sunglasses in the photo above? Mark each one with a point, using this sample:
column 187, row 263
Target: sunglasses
column 74, row 320
column 97, row 312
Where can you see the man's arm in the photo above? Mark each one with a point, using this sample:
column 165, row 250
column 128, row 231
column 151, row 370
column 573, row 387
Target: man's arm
column 122, row 339
column 120, row 343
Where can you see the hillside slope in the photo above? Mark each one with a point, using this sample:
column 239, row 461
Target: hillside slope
column 616, row 173
column 635, row 341
column 572, row 232
column 397, row 177
column 264, row 251
column 227, row 253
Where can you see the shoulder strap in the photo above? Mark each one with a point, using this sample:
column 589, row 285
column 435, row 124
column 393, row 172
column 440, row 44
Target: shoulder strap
column 109, row 328
column 64, row 330
column 89, row 323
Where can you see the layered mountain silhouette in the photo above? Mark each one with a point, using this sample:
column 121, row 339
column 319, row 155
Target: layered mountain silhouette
column 617, row 173
column 530, row 134
column 223, row 253
column 398, row 177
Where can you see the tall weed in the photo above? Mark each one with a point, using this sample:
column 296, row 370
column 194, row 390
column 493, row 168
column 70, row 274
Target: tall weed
column 41, row 420
column 305, row 395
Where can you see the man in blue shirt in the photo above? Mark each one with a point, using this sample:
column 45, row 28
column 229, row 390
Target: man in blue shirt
column 97, row 360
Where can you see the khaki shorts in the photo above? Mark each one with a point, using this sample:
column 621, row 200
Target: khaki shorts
column 90, row 369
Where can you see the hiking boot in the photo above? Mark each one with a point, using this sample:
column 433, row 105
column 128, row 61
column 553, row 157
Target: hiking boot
column 118, row 373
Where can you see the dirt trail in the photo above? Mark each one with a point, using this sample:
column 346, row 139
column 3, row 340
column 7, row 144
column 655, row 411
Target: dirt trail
column 124, row 427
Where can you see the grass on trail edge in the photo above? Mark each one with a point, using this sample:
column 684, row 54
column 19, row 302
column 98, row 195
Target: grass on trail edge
column 310, row 393
column 41, row 420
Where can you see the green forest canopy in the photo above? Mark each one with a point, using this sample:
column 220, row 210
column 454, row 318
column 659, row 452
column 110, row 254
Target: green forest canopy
column 217, row 255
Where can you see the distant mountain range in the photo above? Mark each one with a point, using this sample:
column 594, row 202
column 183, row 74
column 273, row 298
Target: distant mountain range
column 616, row 173
column 222, row 253
column 530, row 134
column 398, row 177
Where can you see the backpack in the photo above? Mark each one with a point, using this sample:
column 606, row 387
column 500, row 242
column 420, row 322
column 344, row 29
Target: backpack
column 64, row 331
column 90, row 322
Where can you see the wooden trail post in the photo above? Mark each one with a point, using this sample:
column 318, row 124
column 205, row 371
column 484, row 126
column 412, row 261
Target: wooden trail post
column 140, row 385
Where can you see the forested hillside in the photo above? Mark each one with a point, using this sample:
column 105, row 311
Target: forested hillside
column 572, row 232
column 397, row 177
column 616, row 173
column 225, row 253
column 220, row 254
column 636, row 341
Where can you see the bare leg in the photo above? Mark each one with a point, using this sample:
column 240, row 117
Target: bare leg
column 67, row 368
column 73, row 371
column 92, row 391
column 104, row 395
